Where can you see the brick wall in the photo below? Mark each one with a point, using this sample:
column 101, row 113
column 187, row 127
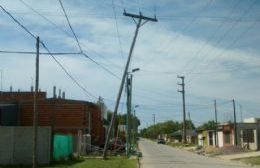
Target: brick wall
column 65, row 116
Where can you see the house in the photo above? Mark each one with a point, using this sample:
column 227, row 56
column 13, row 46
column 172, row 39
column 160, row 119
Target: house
column 177, row 136
column 207, row 137
column 247, row 136
column 65, row 116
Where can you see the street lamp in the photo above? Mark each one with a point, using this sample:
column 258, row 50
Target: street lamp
column 129, row 119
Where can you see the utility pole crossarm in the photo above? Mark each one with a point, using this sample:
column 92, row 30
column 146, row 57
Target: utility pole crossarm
column 138, row 25
column 140, row 16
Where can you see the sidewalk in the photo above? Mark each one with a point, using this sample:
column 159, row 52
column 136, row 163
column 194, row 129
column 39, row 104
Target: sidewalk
column 240, row 155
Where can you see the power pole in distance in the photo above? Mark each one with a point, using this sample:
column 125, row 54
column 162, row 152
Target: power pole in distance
column 35, row 107
column 154, row 134
column 235, row 121
column 139, row 23
column 184, row 136
column 216, row 123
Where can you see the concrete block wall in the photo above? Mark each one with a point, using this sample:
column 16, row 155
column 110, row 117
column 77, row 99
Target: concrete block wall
column 16, row 145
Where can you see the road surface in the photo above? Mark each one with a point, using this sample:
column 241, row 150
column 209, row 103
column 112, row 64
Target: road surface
column 163, row 156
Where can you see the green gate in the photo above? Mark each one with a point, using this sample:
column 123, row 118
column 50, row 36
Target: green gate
column 62, row 146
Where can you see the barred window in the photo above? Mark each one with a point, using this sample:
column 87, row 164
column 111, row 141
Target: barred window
column 248, row 135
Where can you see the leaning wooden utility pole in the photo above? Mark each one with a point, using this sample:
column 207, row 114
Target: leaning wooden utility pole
column 35, row 108
column 184, row 135
column 139, row 23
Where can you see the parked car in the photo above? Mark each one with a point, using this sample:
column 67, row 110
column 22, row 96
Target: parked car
column 160, row 141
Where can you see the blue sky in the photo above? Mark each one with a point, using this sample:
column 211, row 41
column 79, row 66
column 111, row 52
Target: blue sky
column 214, row 43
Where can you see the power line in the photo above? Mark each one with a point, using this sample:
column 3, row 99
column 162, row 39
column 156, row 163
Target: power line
column 16, row 21
column 106, row 69
column 117, row 29
column 226, row 32
column 63, row 68
column 62, row 30
column 68, row 21
column 42, row 53
column 211, row 37
column 84, row 54
column 45, row 18
column 66, row 72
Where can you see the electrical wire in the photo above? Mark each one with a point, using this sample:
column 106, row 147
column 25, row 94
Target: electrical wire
column 62, row 30
column 41, row 53
column 68, row 21
column 117, row 30
column 225, row 33
column 54, row 58
column 84, row 54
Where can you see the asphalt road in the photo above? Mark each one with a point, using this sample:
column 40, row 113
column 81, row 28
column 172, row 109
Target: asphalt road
column 163, row 156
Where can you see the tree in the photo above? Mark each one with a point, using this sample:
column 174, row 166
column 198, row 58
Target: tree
column 210, row 125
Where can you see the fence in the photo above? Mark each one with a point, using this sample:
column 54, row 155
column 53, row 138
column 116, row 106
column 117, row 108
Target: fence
column 16, row 145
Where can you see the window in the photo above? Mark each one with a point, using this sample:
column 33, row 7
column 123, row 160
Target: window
column 248, row 135
column 227, row 137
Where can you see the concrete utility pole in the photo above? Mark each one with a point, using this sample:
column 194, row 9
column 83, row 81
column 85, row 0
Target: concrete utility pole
column 216, row 123
column 128, row 105
column 154, row 126
column 139, row 23
column 35, row 107
column 184, row 135
column 235, row 121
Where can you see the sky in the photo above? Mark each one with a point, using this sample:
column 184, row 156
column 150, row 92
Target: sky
column 213, row 43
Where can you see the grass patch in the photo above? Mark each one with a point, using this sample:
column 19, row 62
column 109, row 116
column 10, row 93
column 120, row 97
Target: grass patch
column 114, row 162
column 251, row 160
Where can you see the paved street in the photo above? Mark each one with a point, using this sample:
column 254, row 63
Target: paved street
column 163, row 156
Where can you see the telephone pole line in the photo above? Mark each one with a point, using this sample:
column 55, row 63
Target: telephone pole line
column 35, row 107
column 216, row 123
column 235, row 121
column 154, row 134
column 139, row 23
column 184, row 135
column 128, row 105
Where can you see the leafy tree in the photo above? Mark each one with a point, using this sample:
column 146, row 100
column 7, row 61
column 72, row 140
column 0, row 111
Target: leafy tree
column 166, row 127
column 210, row 125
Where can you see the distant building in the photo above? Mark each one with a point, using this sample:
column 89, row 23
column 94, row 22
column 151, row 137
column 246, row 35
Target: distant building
column 177, row 136
column 206, row 138
column 248, row 134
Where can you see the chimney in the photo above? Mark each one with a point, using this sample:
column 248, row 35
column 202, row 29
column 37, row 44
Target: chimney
column 54, row 92
column 11, row 88
column 59, row 93
column 19, row 90
column 31, row 88
column 63, row 95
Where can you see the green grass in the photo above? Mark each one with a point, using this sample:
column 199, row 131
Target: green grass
column 115, row 162
column 251, row 160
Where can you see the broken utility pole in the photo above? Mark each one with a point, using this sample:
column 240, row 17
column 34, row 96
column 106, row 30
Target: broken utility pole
column 184, row 136
column 35, row 108
column 139, row 23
